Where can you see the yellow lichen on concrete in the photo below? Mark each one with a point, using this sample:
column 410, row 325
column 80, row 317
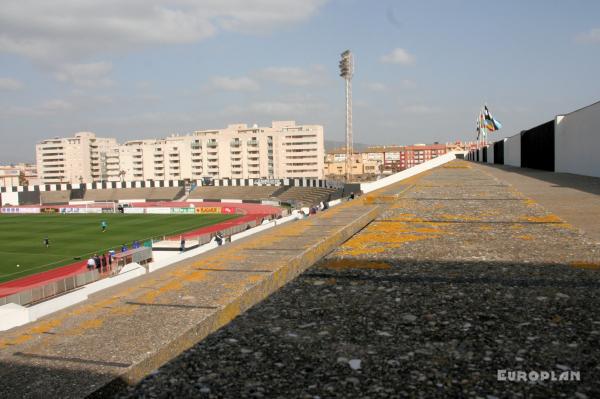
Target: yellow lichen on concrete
column 379, row 236
column 525, row 237
column 380, row 199
column 459, row 217
column 228, row 313
column 550, row 218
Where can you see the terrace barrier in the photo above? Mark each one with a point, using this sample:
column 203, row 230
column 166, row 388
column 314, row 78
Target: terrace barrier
column 53, row 289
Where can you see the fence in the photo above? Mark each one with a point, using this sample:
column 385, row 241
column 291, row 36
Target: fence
column 207, row 237
column 55, row 288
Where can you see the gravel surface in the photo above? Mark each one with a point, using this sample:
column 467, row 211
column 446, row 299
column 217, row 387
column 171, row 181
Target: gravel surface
column 415, row 329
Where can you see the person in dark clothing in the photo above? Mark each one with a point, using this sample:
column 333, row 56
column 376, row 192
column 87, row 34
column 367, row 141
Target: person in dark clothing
column 97, row 261
column 219, row 238
column 103, row 263
column 46, row 241
column 182, row 244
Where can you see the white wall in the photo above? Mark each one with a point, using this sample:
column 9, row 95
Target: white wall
column 512, row 151
column 10, row 198
column 396, row 177
column 490, row 154
column 577, row 142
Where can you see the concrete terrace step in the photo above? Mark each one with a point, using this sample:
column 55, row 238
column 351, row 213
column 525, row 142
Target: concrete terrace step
column 120, row 335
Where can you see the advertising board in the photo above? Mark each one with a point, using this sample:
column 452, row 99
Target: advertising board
column 182, row 210
column 208, row 209
column 18, row 210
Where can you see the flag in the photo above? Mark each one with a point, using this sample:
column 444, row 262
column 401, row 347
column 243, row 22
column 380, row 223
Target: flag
column 490, row 123
column 481, row 126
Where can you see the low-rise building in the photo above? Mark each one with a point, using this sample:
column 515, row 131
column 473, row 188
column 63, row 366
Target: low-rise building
column 22, row 174
column 388, row 159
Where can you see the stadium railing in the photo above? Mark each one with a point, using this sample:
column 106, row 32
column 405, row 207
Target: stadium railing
column 53, row 289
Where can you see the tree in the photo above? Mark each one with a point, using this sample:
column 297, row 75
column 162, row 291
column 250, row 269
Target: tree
column 22, row 179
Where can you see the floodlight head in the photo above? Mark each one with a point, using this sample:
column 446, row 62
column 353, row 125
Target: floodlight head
column 346, row 65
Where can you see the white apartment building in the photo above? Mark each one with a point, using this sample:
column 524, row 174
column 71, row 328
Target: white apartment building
column 284, row 150
column 76, row 159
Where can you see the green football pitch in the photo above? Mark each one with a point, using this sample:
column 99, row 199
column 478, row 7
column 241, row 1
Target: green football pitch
column 71, row 236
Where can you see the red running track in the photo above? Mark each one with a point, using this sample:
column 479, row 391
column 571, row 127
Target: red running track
column 254, row 212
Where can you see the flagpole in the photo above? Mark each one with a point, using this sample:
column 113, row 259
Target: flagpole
column 484, row 135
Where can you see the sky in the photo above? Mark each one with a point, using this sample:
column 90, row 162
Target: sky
column 423, row 69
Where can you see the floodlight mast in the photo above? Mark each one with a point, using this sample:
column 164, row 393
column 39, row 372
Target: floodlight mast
column 346, row 72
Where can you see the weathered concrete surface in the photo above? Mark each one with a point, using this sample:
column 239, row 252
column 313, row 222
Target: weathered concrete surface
column 576, row 199
column 124, row 333
column 461, row 277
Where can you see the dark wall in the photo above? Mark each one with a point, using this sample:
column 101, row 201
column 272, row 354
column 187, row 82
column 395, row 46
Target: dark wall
column 484, row 154
column 537, row 147
column 29, row 198
column 499, row 152
column 77, row 193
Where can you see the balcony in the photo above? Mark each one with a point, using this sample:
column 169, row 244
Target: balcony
column 252, row 143
column 196, row 146
column 235, row 143
column 212, row 144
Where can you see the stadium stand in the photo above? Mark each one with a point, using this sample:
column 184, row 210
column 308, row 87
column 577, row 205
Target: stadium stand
column 256, row 193
column 55, row 197
column 302, row 196
column 150, row 194
column 309, row 195
column 165, row 193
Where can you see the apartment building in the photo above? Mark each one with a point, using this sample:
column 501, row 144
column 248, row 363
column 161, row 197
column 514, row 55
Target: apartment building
column 76, row 159
column 283, row 150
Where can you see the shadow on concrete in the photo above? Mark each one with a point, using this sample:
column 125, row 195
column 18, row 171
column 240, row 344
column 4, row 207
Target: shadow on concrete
column 385, row 327
column 586, row 184
column 41, row 379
